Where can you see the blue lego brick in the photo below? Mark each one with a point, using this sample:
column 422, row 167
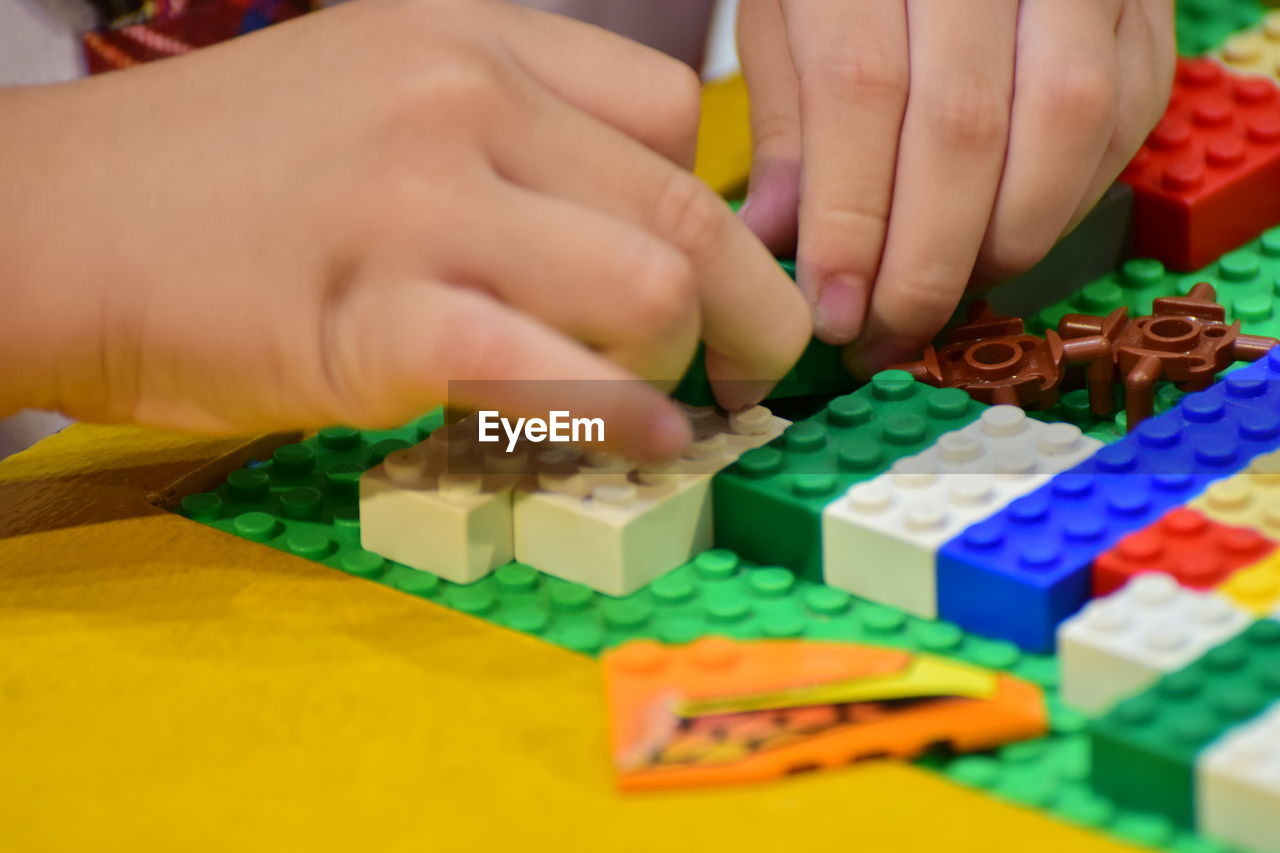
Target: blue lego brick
column 1021, row 572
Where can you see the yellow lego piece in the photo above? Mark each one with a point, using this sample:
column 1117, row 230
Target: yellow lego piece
column 923, row 676
column 724, row 137
column 1256, row 588
column 1250, row 498
column 1256, row 51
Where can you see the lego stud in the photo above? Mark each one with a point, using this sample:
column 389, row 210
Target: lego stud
column 972, row 491
column 1243, row 50
column 754, row 421
column 664, row 474
column 957, row 447
column 405, row 467
column 1212, row 610
column 614, row 494
column 1228, row 495
column 1166, row 639
column 459, row 485
column 1154, row 589
column 870, row 497
column 925, row 516
column 711, row 447
column 1004, row 421
column 1107, row 617
column 498, row 461
column 913, row 473
column 563, row 483
column 1060, row 439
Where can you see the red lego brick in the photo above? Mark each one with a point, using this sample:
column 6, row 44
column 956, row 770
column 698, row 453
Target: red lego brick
column 1208, row 178
column 1198, row 552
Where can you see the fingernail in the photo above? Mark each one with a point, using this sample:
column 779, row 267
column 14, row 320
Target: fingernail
column 842, row 304
column 772, row 201
column 668, row 435
column 882, row 353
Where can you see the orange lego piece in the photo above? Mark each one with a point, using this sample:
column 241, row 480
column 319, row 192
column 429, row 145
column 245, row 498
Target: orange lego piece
column 656, row 748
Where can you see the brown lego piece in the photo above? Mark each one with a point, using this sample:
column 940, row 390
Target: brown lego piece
column 996, row 361
column 1185, row 339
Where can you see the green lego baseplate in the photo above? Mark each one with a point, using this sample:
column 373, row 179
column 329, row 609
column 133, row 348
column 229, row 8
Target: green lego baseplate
column 304, row 501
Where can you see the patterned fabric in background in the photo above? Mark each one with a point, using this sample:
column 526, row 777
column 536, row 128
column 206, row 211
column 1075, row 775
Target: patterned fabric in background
column 140, row 31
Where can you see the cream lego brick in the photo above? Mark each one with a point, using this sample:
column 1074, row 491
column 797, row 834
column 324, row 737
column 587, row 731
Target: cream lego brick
column 1249, row 499
column 881, row 539
column 613, row 526
column 443, row 506
column 1120, row 644
column 1238, row 785
column 1255, row 51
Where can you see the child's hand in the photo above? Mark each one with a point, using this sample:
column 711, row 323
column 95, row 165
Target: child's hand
column 941, row 140
column 329, row 220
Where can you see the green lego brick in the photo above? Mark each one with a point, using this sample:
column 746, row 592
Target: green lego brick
column 768, row 505
column 1099, row 244
column 1203, row 25
column 1247, row 281
column 819, row 370
column 1144, row 750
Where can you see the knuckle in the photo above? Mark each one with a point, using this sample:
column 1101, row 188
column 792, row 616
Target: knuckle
column 776, row 135
column 858, row 73
column 660, row 292
column 681, row 96
column 1083, row 93
column 1017, row 251
column 690, row 215
column 968, row 116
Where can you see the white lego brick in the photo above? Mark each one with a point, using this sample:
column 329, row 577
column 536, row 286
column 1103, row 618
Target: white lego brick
column 1238, row 785
column 424, row 507
column 605, row 523
column 881, row 539
column 1120, row 644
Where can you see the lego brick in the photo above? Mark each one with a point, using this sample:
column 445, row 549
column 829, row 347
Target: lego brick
column 604, row 523
column 819, row 370
column 1202, row 25
column 1194, row 550
column 715, row 593
column 1145, row 749
column 1256, row 51
column 415, row 510
column 1244, row 279
column 768, row 506
column 1120, row 644
column 1098, row 245
column 1204, row 181
column 1034, row 556
column 1250, row 498
column 1255, row 588
column 880, row 540
column 1238, row 785
column 657, row 746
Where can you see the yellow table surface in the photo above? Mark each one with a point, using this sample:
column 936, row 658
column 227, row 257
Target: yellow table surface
column 165, row 686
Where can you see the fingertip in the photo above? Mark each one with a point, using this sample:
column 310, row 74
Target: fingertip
column 840, row 309
column 666, row 435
